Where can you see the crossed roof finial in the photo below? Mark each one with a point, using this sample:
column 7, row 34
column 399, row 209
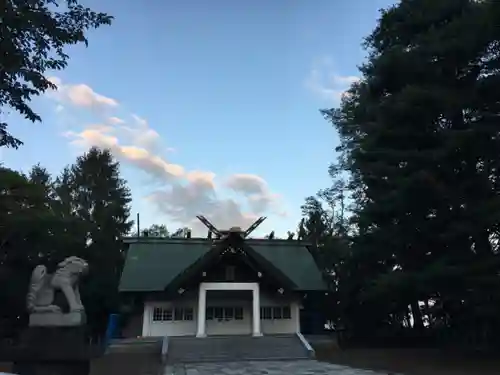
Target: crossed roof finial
column 220, row 233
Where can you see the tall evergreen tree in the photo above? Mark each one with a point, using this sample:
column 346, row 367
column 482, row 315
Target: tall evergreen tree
column 30, row 234
column 84, row 212
column 316, row 227
column 101, row 198
column 419, row 135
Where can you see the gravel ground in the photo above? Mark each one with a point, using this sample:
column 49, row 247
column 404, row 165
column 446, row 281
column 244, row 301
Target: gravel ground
column 412, row 361
column 301, row 367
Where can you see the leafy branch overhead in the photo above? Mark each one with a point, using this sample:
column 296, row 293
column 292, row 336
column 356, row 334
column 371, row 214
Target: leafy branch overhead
column 33, row 35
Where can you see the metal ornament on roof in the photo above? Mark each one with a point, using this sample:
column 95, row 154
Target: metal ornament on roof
column 233, row 230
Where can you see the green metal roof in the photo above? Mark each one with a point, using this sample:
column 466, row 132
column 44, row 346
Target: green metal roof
column 295, row 261
column 151, row 264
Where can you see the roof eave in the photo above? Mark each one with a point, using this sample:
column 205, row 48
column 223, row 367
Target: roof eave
column 276, row 242
column 281, row 277
column 163, row 240
column 249, row 241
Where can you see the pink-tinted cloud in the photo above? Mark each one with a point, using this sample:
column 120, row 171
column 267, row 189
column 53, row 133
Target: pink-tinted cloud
column 179, row 193
column 80, row 95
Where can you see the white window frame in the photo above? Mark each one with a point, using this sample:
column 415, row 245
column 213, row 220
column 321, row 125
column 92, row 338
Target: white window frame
column 161, row 314
column 275, row 312
column 224, row 316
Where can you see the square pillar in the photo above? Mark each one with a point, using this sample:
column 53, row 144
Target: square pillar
column 202, row 306
column 256, row 311
column 296, row 315
column 147, row 317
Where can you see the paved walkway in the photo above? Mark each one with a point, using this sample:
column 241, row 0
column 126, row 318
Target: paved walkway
column 302, row 367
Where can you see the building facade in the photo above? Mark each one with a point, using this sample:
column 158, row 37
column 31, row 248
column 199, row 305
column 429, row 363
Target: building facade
column 228, row 286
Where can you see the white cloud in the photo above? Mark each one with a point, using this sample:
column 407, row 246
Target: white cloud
column 326, row 83
column 179, row 193
column 140, row 121
column 80, row 95
column 115, row 120
column 183, row 201
column 255, row 189
column 142, row 158
column 248, row 184
column 141, row 134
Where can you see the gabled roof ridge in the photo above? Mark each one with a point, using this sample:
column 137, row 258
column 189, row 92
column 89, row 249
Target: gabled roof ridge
column 277, row 242
column 198, row 240
column 166, row 240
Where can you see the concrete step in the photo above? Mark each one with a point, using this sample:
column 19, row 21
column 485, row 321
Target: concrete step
column 235, row 348
column 150, row 345
column 127, row 364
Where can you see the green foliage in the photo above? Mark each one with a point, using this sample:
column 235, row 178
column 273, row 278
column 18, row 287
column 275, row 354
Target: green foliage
column 271, row 235
column 156, row 230
column 33, row 36
column 328, row 244
column 101, row 199
column 83, row 212
column 29, row 234
column 419, row 140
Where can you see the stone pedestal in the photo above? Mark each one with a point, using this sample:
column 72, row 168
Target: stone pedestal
column 53, row 351
column 52, row 368
column 70, row 319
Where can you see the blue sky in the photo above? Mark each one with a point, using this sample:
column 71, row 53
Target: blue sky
column 210, row 106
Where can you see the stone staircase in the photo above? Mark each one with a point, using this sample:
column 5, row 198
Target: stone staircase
column 235, row 348
column 130, row 357
column 151, row 345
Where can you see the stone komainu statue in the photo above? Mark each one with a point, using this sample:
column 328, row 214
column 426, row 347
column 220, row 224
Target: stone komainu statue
column 40, row 298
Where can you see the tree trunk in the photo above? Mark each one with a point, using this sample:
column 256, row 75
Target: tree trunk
column 417, row 316
column 483, row 244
